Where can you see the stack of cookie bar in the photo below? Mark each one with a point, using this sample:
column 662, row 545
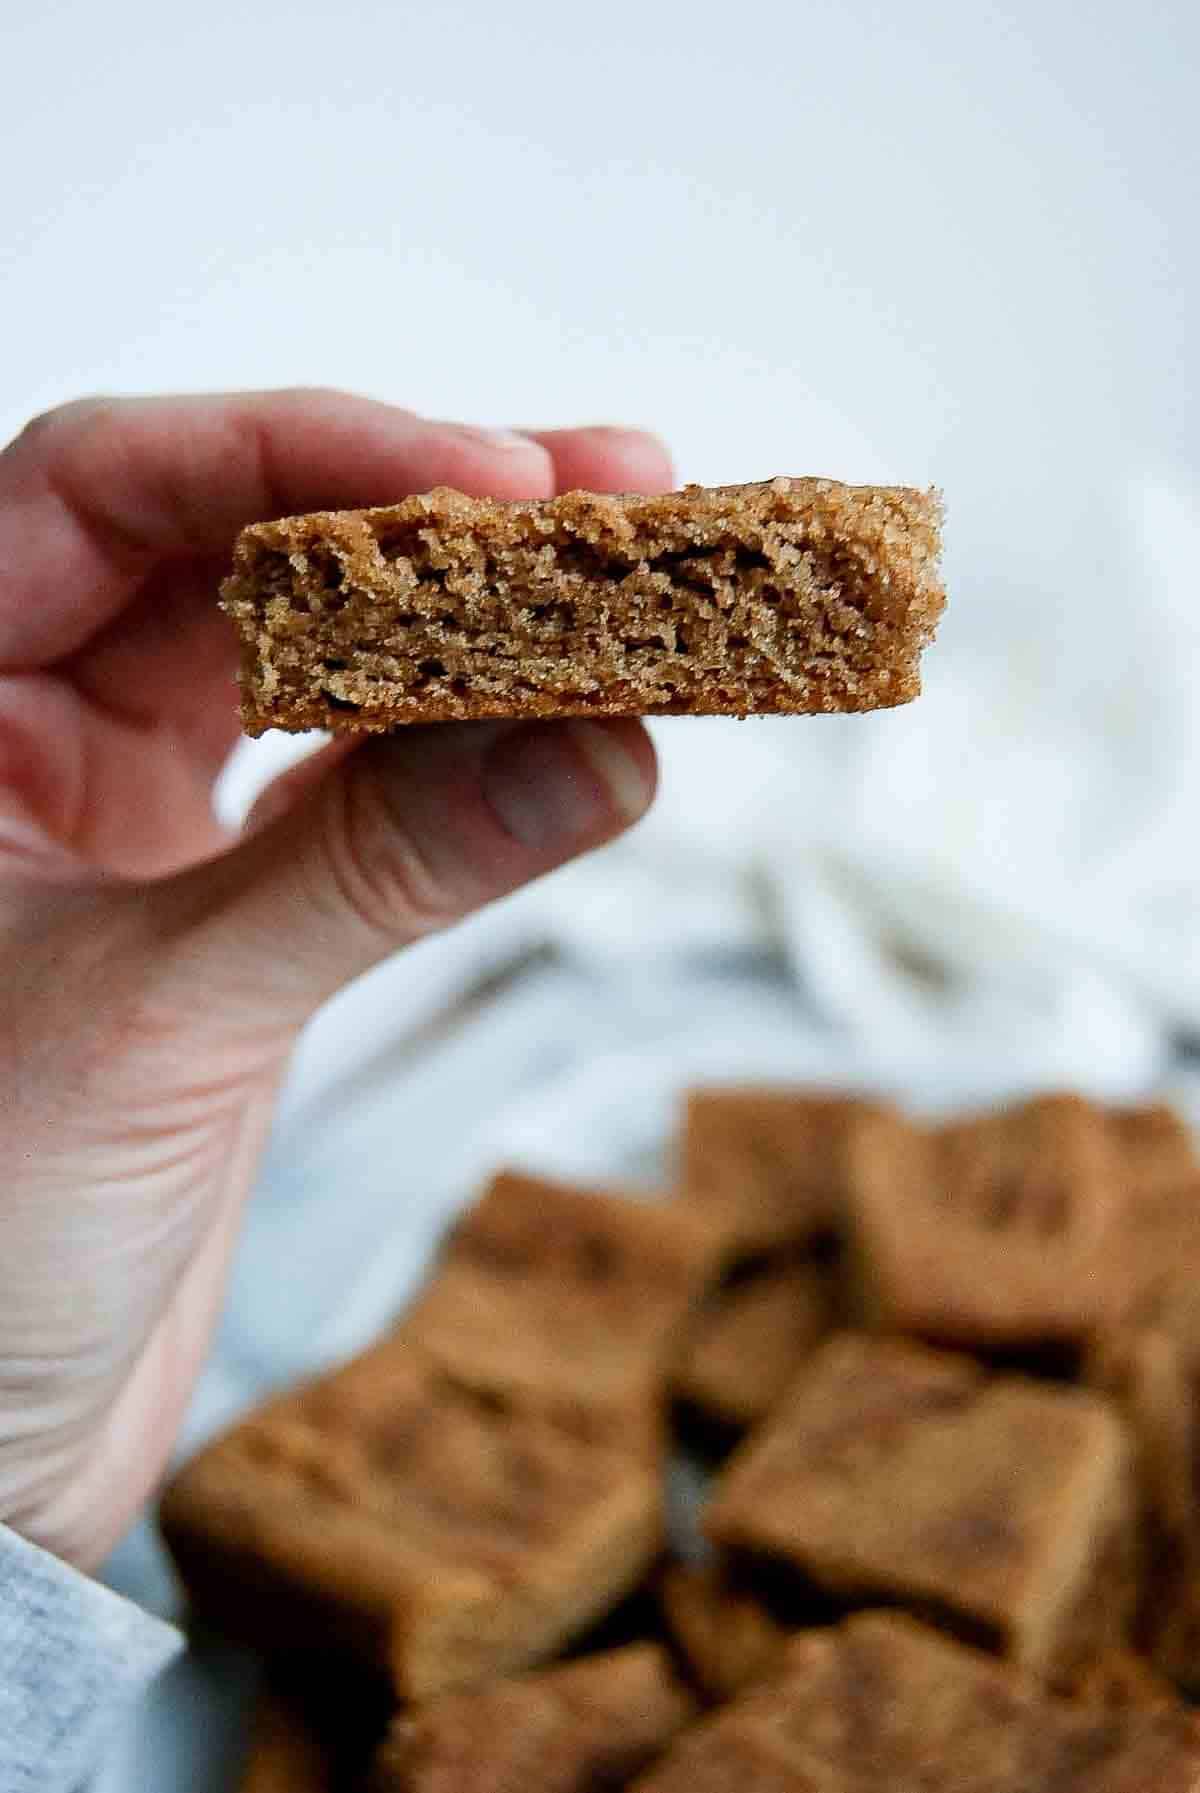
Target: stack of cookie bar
column 945, row 1381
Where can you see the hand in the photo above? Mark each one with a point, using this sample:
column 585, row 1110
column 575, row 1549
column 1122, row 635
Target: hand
column 154, row 970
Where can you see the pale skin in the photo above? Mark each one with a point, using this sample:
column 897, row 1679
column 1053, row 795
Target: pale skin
column 154, row 969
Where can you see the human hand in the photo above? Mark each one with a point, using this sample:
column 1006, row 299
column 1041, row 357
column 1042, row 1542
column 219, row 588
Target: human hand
column 154, row 970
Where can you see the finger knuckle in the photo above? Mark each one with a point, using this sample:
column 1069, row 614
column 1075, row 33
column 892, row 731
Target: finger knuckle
column 76, row 413
column 381, row 871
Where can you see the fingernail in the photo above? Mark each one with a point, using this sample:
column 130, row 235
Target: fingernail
column 503, row 439
column 616, row 768
column 551, row 786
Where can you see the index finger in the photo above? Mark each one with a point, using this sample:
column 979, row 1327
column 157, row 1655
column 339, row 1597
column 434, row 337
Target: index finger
column 93, row 496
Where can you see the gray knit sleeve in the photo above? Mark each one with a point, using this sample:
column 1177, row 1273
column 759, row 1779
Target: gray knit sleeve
column 73, row 1656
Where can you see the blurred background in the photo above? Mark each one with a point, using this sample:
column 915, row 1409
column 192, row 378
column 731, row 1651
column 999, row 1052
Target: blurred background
column 934, row 244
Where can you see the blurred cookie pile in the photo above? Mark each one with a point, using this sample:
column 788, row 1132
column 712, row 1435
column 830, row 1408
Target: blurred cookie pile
column 946, row 1382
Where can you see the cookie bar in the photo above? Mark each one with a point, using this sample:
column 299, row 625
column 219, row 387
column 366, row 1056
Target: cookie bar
column 767, row 1164
column 726, row 1636
column 445, row 1533
column 574, row 1729
column 750, row 1343
column 793, row 595
column 1002, row 1507
column 881, row 1702
column 570, row 1295
column 994, row 1232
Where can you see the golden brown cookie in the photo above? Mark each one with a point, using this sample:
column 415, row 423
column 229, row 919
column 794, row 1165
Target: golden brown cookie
column 892, row 1473
column 994, row 1232
column 793, row 595
column 570, row 1295
column 446, row 1533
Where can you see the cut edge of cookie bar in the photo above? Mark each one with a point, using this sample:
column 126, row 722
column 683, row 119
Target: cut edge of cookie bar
column 789, row 595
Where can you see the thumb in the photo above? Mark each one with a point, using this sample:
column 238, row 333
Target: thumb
column 403, row 837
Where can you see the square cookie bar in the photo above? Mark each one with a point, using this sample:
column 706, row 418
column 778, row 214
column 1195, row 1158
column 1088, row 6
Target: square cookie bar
column 768, row 1165
column 574, row 1296
column 445, row 1533
column 994, row 1232
column 792, row 595
column 1003, row 1507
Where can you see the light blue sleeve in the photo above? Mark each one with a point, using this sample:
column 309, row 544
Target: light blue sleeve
column 73, row 1657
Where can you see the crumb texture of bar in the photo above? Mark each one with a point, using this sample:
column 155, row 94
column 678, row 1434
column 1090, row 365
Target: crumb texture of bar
column 768, row 1165
column 446, row 1533
column 582, row 1728
column 751, row 1342
column 994, row 1232
column 791, row 595
column 894, row 1474
column 726, row 1636
column 572, row 1295
column 880, row 1702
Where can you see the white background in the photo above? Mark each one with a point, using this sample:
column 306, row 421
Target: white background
column 949, row 243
